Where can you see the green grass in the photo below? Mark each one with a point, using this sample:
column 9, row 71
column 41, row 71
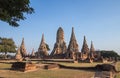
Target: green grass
column 118, row 69
column 56, row 73
column 80, row 64
column 4, row 66
column 60, row 73
column 41, row 73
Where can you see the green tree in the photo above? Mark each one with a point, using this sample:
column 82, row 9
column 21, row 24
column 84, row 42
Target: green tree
column 47, row 46
column 7, row 45
column 109, row 53
column 12, row 11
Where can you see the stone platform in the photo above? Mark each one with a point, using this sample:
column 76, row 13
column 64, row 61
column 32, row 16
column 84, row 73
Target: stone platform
column 23, row 66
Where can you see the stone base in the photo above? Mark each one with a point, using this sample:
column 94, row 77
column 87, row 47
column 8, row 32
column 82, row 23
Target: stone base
column 22, row 66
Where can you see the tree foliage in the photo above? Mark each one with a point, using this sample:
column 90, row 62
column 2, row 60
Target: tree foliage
column 109, row 53
column 47, row 46
column 12, row 11
column 7, row 45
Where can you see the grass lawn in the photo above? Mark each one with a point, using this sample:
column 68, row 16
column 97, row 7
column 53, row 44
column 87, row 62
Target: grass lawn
column 56, row 73
column 118, row 69
column 80, row 64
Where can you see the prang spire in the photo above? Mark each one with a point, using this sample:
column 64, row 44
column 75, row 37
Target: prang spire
column 23, row 49
column 18, row 55
column 18, row 51
column 73, row 46
column 92, row 50
column 42, row 40
column 92, row 47
column 60, row 45
column 73, row 35
column 42, row 50
column 85, row 48
column 33, row 53
column 60, row 35
column 22, row 42
column 85, row 42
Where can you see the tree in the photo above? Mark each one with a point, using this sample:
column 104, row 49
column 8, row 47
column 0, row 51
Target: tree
column 12, row 11
column 7, row 45
column 47, row 46
column 109, row 54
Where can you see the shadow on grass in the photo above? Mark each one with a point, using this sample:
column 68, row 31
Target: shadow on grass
column 73, row 68
column 78, row 68
column 98, row 67
column 107, row 68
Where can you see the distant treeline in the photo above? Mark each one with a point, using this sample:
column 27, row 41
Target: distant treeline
column 108, row 54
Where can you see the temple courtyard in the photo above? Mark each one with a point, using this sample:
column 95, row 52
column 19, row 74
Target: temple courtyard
column 6, row 72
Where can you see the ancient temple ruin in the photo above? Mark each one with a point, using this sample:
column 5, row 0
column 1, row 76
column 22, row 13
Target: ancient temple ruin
column 23, row 49
column 60, row 45
column 84, row 50
column 73, row 47
column 42, row 50
column 60, row 50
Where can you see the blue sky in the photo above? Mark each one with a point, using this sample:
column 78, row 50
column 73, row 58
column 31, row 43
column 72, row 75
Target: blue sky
column 98, row 20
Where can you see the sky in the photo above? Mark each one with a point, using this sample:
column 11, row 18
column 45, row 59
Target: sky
column 98, row 20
